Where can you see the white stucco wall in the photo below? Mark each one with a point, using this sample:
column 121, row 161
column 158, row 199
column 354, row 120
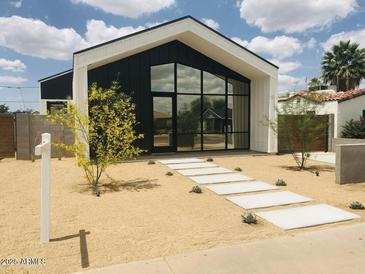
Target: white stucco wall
column 350, row 109
column 328, row 107
column 263, row 99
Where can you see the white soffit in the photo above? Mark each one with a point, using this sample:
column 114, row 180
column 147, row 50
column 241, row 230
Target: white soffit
column 187, row 31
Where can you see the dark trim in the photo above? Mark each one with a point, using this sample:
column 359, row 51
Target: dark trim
column 171, row 22
column 55, row 75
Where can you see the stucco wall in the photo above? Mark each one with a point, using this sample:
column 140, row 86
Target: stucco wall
column 350, row 109
column 350, row 164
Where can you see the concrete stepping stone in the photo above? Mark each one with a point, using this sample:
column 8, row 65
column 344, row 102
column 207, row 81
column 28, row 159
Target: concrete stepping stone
column 191, row 165
column 233, row 188
column 220, row 178
column 268, row 199
column 204, row 171
column 306, row 216
column 181, row 161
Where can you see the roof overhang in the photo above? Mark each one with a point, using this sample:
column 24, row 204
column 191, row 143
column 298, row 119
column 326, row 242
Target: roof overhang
column 189, row 31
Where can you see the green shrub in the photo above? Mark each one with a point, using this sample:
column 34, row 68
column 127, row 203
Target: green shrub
column 249, row 218
column 280, row 182
column 210, row 160
column 169, row 173
column 151, row 162
column 238, row 169
column 196, row 189
column 356, row 205
column 354, row 129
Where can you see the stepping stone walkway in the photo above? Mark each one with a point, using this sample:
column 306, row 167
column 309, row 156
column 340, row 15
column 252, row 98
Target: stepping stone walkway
column 223, row 181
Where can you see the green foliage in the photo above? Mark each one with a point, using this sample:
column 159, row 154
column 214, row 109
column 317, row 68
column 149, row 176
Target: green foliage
column 280, row 182
column 238, row 169
column 169, row 173
column 151, row 162
column 356, row 205
column 196, row 189
column 344, row 65
column 109, row 131
column 314, row 84
column 249, row 218
column 354, row 129
column 4, row 108
column 299, row 126
column 210, row 159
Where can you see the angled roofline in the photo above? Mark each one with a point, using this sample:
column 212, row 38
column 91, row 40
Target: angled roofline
column 55, row 75
column 171, row 22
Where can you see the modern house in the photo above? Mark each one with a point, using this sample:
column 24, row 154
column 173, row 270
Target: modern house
column 194, row 88
column 341, row 106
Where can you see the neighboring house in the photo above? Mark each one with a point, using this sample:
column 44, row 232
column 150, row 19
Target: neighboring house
column 172, row 67
column 344, row 106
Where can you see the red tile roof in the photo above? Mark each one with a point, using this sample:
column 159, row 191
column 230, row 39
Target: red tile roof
column 330, row 96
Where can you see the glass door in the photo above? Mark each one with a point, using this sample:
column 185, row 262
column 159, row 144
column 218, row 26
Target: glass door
column 163, row 124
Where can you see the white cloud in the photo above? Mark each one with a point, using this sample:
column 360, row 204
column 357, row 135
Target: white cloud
column 290, row 83
column 154, row 24
column 128, row 8
column 12, row 80
column 355, row 36
column 98, row 32
column 35, row 38
column 16, row 3
column 294, row 15
column 280, row 47
column 239, row 41
column 311, row 43
column 285, row 67
column 211, row 23
column 12, row 65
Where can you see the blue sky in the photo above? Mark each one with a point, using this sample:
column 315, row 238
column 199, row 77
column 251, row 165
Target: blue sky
column 37, row 37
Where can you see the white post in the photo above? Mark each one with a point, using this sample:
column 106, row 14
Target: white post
column 44, row 149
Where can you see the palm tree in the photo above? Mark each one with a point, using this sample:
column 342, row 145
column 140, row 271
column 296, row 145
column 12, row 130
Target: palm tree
column 344, row 65
column 314, row 84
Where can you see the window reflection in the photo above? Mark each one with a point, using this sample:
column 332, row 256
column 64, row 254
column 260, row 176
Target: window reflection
column 188, row 113
column 237, row 113
column 213, row 83
column 214, row 113
column 162, row 121
column 162, row 78
column 236, row 87
column 188, row 79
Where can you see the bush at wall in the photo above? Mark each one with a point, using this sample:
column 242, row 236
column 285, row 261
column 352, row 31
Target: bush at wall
column 354, row 129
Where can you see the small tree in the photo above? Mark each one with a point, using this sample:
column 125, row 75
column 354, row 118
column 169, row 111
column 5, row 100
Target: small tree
column 109, row 130
column 354, row 129
column 299, row 126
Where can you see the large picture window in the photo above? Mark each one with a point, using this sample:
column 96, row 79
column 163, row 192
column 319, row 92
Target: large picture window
column 212, row 111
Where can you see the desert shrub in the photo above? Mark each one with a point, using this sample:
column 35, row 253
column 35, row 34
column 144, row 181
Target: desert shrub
column 356, row 205
column 280, row 182
column 109, row 130
column 299, row 126
column 169, row 173
column 238, row 169
column 249, row 218
column 151, row 162
column 196, row 189
column 210, row 159
column 354, row 129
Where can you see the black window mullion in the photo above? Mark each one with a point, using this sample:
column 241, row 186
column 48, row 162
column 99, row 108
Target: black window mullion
column 201, row 111
column 226, row 114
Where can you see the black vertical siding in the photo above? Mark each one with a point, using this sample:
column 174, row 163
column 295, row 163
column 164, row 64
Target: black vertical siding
column 133, row 73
